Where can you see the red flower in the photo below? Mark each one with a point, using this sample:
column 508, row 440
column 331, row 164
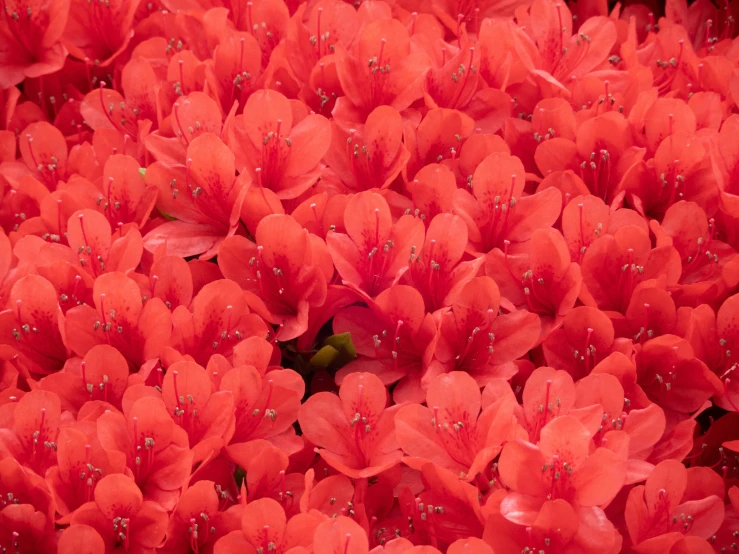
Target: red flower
column 432, row 191
column 452, row 431
column 20, row 203
column 602, row 153
column 394, row 337
column 475, row 339
column 121, row 516
column 440, row 136
column 727, row 332
column 586, row 218
column 126, row 115
column 266, row 403
column 709, row 265
column 372, row 155
column 475, row 149
column 644, row 427
column 355, row 430
column 726, row 165
column 448, row 509
column 681, row 169
column 95, row 251
column 266, row 474
column 74, row 195
column 217, row 320
column 44, row 156
column 662, row 118
column 25, row 529
column 127, row 199
column 82, row 463
column 392, row 76
column 313, row 33
column 657, row 514
column 558, row 529
column 501, row 64
column 543, row 280
column 80, row 539
column 31, row 437
column 284, row 274
column 374, row 253
column 340, row 535
column 671, row 375
column 101, row 375
column 20, row 485
column 586, row 337
column 197, row 522
column 236, row 69
column 278, row 146
column 562, row 467
column 471, row 14
column 206, row 416
column 322, row 214
column 331, row 495
column 437, row 271
column 192, row 116
column 562, row 55
column 31, row 326
column 454, row 82
column 204, row 195
column 614, row 265
column 265, row 20
column 496, row 211
column 170, row 279
column 30, row 40
column 264, row 526
column 97, row 35
column 547, row 395
column 137, row 331
column 156, row 449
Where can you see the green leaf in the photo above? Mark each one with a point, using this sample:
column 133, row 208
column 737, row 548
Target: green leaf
column 342, row 342
column 325, row 356
column 142, row 171
column 165, row 216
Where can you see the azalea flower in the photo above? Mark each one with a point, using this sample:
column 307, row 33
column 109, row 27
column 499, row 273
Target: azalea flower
column 374, row 253
column 121, row 517
column 496, row 209
column 284, row 274
column 31, row 325
column 585, row 479
column 279, row 150
column 355, row 429
column 264, row 525
column 380, row 57
column 137, row 329
column 453, row 432
column 657, row 515
column 155, row 448
column 394, row 338
column 417, row 277
column 32, row 42
column 476, row 338
column 33, row 430
column 204, row 195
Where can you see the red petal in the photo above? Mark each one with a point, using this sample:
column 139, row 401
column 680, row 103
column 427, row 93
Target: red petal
column 81, row 539
column 567, row 438
column 263, row 521
column 520, row 468
column 118, row 496
column 340, row 535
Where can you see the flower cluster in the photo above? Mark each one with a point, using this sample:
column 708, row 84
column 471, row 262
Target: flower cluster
column 399, row 276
